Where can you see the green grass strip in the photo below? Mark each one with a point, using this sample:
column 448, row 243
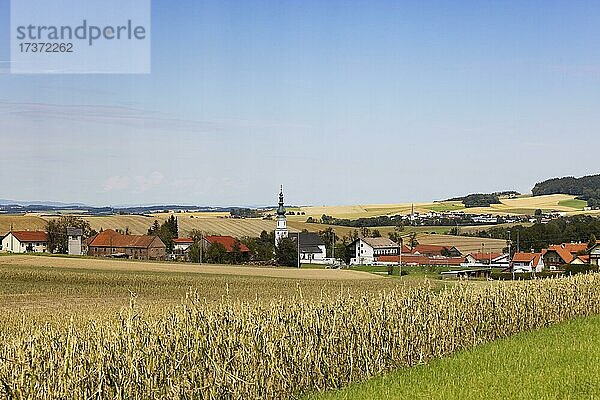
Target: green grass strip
column 558, row 362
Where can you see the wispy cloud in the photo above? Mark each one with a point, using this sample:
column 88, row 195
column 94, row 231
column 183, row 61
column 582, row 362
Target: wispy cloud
column 582, row 70
column 130, row 117
column 145, row 183
column 104, row 114
column 138, row 183
column 116, row 183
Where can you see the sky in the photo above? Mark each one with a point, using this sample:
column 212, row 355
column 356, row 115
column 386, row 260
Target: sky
column 342, row 102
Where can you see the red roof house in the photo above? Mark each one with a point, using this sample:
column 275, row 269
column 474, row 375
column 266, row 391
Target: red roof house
column 25, row 241
column 111, row 244
column 227, row 241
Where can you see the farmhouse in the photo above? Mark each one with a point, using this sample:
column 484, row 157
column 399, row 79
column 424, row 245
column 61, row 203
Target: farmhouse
column 481, row 258
column 527, row 262
column 367, row 250
column 182, row 245
column 25, row 242
column 436, row 250
column 557, row 255
column 181, row 248
column 312, row 247
column 113, row 244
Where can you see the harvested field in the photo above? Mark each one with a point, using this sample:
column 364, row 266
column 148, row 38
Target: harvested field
column 464, row 243
column 139, row 224
column 126, row 265
column 21, row 222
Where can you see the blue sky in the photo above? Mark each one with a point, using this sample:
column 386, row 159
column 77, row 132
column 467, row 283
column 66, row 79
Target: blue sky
column 342, row 102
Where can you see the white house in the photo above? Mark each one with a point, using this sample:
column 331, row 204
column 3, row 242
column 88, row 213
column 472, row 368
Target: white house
column 527, row 262
column 366, row 250
column 312, row 247
column 25, row 242
column 595, row 255
column 181, row 245
column 492, row 260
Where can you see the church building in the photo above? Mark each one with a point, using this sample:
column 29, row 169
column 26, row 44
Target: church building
column 281, row 230
column 310, row 245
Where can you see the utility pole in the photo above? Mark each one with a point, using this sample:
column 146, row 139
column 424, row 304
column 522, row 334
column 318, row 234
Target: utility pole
column 201, row 245
column 298, row 250
column 400, row 256
column 333, row 246
column 509, row 257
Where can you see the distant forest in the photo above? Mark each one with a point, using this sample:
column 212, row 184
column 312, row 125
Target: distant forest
column 585, row 188
column 482, row 199
column 578, row 228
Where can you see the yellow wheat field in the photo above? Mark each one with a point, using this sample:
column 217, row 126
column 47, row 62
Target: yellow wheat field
column 284, row 349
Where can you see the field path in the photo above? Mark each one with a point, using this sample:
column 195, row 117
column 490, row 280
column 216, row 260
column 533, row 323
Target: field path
column 124, row 265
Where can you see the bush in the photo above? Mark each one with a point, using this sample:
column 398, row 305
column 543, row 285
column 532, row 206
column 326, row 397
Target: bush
column 573, row 269
column 525, row 276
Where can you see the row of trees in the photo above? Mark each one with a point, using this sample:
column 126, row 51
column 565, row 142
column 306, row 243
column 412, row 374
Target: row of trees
column 478, row 199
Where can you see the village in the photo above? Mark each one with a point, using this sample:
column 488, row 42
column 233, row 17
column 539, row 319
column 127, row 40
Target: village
column 310, row 249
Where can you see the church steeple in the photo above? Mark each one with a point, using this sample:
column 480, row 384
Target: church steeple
column 281, row 209
column 281, row 230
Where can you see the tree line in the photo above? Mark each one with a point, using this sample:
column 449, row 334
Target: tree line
column 578, row 228
column 585, row 188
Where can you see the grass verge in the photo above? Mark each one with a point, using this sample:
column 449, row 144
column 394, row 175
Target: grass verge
column 558, row 362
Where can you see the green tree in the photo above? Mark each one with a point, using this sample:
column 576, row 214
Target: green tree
column 216, row 253
column 262, row 247
column 57, row 232
column 454, row 231
column 236, row 256
column 412, row 240
column 286, row 253
column 194, row 253
column 166, row 231
column 591, row 241
column 375, row 233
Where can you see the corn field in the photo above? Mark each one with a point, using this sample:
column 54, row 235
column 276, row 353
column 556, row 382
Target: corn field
column 284, row 349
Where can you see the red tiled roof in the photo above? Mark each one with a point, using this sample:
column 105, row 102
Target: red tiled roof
column 30, row 236
column 527, row 257
column 227, row 241
column 585, row 258
column 183, row 240
column 562, row 252
column 574, row 248
column 485, row 256
column 110, row 238
column 391, row 258
column 430, row 249
column 416, row 259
